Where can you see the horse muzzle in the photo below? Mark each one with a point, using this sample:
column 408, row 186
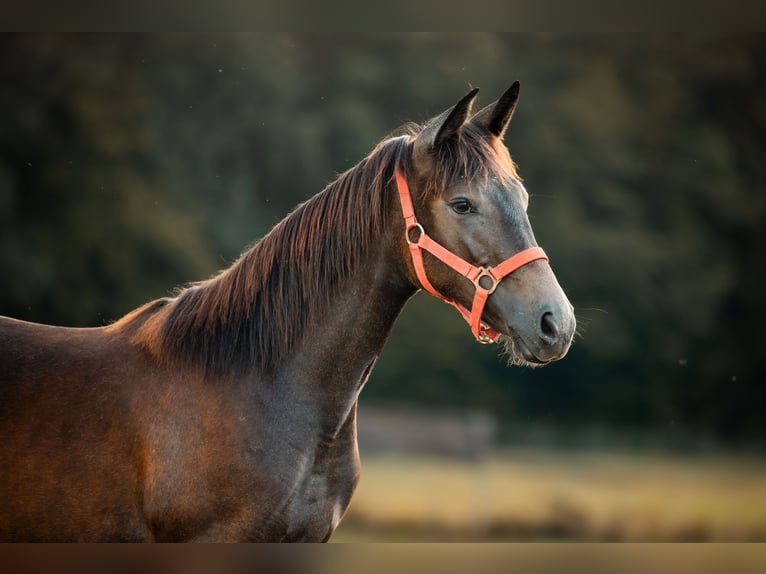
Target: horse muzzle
column 548, row 337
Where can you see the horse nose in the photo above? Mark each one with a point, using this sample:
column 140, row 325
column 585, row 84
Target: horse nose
column 551, row 327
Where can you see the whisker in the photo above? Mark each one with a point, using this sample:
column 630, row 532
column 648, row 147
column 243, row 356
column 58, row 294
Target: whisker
column 583, row 322
column 604, row 311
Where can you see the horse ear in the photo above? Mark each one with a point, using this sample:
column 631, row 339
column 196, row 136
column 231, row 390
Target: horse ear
column 445, row 125
column 496, row 116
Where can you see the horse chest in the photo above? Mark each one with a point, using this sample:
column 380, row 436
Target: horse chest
column 313, row 465
column 318, row 493
column 315, row 508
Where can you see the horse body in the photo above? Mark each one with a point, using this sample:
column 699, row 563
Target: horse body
column 228, row 412
column 119, row 447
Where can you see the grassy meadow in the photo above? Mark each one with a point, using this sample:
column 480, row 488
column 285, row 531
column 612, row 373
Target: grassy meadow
column 524, row 495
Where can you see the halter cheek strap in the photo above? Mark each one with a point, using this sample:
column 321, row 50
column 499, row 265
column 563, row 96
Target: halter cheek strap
column 485, row 279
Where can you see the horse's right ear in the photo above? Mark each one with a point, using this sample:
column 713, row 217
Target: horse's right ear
column 496, row 116
column 445, row 125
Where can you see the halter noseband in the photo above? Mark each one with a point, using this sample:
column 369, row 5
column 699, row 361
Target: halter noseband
column 477, row 275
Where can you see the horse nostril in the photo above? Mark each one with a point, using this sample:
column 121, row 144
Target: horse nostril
column 549, row 330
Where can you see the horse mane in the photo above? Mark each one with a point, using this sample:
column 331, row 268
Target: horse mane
column 252, row 314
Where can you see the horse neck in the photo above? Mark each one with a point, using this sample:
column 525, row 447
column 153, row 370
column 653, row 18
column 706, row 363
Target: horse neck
column 304, row 313
column 335, row 358
column 296, row 323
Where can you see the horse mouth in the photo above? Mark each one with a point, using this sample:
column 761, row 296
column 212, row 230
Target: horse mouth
column 520, row 353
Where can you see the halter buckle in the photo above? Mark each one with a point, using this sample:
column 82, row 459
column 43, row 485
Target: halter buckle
column 486, row 272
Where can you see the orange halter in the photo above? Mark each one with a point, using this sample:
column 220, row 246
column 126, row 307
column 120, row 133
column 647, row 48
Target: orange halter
column 482, row 332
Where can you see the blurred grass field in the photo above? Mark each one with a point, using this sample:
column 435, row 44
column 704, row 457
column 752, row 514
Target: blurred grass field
column 524, row 495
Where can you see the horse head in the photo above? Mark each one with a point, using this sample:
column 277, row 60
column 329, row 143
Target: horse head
column 469, row 201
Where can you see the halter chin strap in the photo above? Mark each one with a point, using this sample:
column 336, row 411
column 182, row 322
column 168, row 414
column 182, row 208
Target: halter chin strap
column 489, row 276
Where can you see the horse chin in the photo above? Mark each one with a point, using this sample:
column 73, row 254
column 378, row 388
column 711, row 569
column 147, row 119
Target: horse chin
column 518, row 353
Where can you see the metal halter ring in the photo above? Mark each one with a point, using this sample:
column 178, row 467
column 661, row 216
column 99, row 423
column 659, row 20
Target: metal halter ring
column 486, row 272
column 407, row 233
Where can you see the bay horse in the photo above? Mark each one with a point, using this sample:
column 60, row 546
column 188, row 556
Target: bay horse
column 228, row 412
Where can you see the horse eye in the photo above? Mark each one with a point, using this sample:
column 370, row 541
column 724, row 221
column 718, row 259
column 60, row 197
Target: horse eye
column 461, row 206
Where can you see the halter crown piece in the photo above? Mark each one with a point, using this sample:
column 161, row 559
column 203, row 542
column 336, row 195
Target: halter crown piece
column 477, row 275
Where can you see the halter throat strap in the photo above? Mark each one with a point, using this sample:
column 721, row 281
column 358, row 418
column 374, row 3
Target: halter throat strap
column 484, row 279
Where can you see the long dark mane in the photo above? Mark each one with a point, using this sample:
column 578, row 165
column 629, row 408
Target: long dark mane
column 253, row 313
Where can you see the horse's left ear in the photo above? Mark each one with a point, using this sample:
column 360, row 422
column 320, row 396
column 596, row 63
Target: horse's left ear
column 496, row 116
column 445, row 125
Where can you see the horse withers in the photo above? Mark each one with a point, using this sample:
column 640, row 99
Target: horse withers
column 228, row 413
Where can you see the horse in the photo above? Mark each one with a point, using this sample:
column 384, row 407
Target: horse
column 228, row 412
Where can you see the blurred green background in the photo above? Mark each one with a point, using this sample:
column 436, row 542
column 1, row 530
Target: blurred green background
column 131, row 164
